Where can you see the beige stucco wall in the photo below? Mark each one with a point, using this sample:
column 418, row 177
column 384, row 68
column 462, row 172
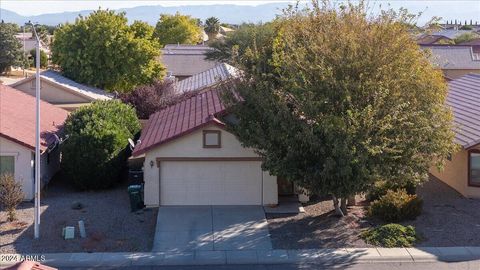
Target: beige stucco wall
column 455, row 174
column 457, row 73
column 51, row 93
column 24, row 162
column 191, row 145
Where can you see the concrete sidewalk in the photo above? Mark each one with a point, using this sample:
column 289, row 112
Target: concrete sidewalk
column 311, row 256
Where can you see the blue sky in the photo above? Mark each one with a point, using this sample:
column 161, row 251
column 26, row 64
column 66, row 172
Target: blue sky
column 448, row 10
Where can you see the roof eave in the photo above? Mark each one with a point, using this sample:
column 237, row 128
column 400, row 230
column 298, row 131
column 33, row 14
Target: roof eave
column 213, row 120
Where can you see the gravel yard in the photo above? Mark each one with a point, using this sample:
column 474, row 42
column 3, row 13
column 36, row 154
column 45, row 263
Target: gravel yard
column 448, row 219
column 317, row 227
column 109, row 223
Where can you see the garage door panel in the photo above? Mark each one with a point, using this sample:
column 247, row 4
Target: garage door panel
column 211, row 183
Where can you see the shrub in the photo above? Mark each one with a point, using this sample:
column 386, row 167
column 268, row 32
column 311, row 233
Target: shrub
column 43, row 58
column 148, row 99
column 396, row 206
column 95, row 152
column 380, row 188
column 11, row 194
column 391, row 235
column 466, row 37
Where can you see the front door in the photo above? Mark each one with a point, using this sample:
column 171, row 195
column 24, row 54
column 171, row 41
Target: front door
column 285, row 187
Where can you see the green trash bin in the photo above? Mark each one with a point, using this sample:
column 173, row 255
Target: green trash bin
column 136, row 200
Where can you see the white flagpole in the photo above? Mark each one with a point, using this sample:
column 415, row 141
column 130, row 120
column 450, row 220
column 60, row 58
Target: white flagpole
column 37, row 138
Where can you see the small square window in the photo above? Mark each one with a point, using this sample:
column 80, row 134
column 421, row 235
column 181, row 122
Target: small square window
column 211, row 139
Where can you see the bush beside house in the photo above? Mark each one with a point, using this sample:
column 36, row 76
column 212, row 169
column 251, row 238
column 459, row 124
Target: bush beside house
column 396, row 206
column 380, row 188
column 95, row 152
column 11, row 194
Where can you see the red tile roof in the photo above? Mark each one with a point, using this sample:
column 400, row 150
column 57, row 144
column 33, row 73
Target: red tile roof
column 17, row 118
column 180, row 119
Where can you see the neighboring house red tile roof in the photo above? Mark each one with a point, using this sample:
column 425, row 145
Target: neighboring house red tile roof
column 179, row 119
column 17, row 119
column 464, row 99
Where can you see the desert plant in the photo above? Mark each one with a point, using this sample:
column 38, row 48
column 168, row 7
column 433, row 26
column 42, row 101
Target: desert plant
column 96, row 150
column 381, row 187
column 391, row 235
column 396, row 206
column 11, row 194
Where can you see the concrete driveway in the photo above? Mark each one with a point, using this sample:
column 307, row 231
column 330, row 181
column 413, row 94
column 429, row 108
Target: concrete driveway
column 182, row 228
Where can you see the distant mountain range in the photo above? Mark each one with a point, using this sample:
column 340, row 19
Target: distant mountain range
column 234, row 14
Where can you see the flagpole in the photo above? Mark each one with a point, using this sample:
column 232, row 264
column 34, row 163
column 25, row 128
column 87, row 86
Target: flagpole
column 37, row 137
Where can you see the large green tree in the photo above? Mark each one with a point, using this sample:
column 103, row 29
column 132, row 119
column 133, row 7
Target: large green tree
column 182, row 29
column 102, row 50
column 351, row 99
column 96, row 150
column 10, row 53
column 250, row 46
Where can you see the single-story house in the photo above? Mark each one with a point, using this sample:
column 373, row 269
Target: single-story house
column 183, row 61
column 29, row 42
column 425, row 40
column 191, row 159
column 208, row 78
column 17, row 138
column 61, row 91
column 454, row 61
column 462, row 170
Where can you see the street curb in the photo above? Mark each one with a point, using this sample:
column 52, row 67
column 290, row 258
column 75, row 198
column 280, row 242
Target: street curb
column 233, row 257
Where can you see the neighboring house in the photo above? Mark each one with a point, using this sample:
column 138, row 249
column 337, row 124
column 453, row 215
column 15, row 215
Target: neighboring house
column 225, row 30
column 462, row 170
column 183, row 61
column 454, row 61
column 475, row 45
column 61, row 91
column 17, row 138
column 208, row 78
column 29, row 43
column 452, row 33
column 191, row 159
column 433, row 40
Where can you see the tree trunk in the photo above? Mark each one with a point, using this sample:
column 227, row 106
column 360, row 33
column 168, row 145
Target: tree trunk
column 352, row 201
column 338, row 211
column 343, row 205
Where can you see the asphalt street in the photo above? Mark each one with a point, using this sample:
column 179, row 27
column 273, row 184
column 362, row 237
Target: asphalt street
column 471, row 265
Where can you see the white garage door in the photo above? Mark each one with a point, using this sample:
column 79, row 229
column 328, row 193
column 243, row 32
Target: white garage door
column 211, row 183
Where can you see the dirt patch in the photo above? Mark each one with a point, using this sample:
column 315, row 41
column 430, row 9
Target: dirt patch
column 109, row 223
column 318, row 227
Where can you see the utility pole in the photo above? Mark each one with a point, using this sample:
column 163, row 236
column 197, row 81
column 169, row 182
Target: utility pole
column 37, row 136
